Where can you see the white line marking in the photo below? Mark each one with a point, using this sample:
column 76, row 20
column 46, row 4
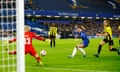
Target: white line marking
column 66, row 69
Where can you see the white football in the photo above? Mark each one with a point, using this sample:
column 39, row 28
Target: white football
column 43, row 52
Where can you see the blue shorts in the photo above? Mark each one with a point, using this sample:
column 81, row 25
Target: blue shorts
column 86, row 43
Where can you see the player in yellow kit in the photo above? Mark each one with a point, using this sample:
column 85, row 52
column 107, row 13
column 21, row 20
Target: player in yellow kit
column 119, row 34
column 52, row 35
column 107, row 33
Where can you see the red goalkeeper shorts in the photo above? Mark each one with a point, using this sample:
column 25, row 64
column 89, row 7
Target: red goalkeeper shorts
column 30, row 50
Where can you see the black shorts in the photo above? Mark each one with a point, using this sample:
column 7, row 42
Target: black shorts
column 108, row 41
column 52, row 37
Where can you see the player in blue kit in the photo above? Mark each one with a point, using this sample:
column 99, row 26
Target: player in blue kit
column 81, row 46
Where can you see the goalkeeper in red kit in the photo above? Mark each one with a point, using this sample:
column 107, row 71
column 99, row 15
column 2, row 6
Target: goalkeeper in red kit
column 29, row 49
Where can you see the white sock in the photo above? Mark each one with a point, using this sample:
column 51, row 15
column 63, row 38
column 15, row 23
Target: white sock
column 82, row 51
column 74, row 51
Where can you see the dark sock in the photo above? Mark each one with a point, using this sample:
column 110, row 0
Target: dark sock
column 99, row 49
column 54, row 43
column 114, row 49
column 51, row 43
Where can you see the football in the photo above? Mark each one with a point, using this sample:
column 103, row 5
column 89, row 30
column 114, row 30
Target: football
column 43, row 52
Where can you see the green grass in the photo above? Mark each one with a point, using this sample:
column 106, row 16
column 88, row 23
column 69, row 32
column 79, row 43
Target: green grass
column 56, row 59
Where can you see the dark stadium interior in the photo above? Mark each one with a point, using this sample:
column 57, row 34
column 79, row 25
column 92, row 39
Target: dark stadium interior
column 89, row 13
column 39, row 14
column 93, row 6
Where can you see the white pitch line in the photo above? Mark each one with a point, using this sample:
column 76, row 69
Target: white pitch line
column 66, row 69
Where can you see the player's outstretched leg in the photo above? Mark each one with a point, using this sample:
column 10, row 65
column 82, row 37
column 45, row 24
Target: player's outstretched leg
column 100, row 47
column 73, row 53
column 39, row 60
column 98, row 52
column 116, row 50
column 82, row 51
column 80, row 48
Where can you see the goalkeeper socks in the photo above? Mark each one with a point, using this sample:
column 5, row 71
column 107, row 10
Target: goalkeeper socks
column 99, row 49
column 38, row 59
column 114, row 49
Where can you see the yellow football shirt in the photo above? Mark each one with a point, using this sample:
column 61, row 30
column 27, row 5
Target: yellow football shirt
column 108, row 30
column 53, row 31
column 119, row 27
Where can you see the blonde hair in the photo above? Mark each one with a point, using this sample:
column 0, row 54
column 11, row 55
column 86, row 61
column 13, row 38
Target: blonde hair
column 27, row 28
column 107, row 22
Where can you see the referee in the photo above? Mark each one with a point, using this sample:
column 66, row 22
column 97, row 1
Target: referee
column 52, row 35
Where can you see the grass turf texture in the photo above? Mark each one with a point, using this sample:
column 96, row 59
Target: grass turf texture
column 56, row 59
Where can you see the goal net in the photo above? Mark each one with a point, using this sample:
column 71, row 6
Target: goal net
column 11, row 26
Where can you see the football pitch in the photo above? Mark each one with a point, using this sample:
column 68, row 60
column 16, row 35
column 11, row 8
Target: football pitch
column 56, row 59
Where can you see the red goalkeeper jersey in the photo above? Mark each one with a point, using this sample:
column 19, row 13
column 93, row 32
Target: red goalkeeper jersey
column 28, row 42
column 28, row 38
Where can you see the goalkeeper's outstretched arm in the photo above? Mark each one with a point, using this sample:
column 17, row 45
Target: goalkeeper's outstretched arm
column 12, row 40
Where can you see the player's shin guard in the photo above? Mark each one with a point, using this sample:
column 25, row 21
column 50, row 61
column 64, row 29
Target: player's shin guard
column 74, row 51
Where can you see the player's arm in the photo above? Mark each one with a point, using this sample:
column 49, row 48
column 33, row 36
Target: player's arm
column 12, row 40
column 83, row 28
column 119, row 27
column 102, row 34
column 39, row 38
column 42, row 38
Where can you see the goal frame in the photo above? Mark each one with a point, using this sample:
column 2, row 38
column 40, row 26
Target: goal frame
column 20, row 35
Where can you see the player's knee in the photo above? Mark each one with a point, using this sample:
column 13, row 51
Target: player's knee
column 110, row 49
column 36, row 55
column 77, row 47
column 101, row 43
